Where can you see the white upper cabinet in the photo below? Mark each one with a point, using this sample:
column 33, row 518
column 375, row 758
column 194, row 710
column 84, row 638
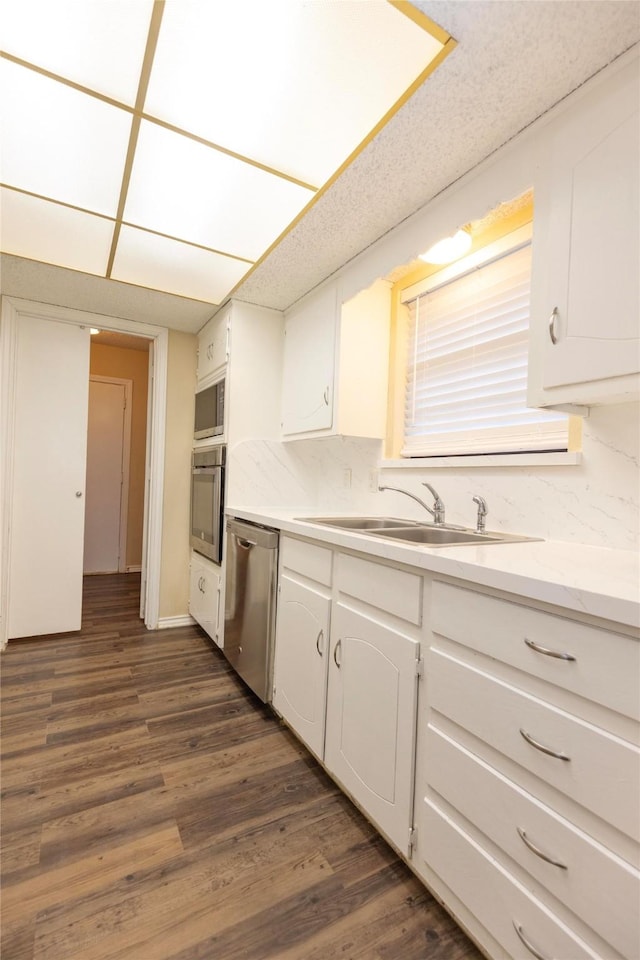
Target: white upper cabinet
column 336, row 361
column 213, row 347
column 585, row 345
column 309, row 349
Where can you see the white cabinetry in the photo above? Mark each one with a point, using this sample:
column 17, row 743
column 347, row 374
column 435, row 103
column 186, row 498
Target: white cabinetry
column 205, row 590
column 336, row 361
column 302, row 639
column 529, row 793
column 585, row 290
column 361, row 720
column 213, row 347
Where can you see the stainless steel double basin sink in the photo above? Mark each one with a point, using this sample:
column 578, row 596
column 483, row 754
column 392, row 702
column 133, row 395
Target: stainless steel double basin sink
column 410, row 531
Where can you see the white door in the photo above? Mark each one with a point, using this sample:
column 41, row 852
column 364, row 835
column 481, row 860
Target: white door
column 47, row 509
column 108, row 438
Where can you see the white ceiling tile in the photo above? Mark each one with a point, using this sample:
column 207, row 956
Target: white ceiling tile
column 82, row 41
column 61, row 143
column 189, row 191
column 40, row 230
column 148, row 260
column 296, row 86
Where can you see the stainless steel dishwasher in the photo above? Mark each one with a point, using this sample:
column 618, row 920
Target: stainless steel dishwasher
column 250, row 603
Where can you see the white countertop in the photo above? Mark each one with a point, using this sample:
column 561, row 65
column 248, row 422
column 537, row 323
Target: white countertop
column 592, row 580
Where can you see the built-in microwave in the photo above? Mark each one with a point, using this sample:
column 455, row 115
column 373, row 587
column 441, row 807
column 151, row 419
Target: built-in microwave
column 209, row 420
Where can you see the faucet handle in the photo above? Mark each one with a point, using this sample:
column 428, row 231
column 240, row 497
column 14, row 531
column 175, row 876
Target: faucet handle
column 482, row 512
column 438, row 505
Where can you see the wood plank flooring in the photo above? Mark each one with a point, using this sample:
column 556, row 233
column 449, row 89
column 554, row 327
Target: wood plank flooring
column 154, row 809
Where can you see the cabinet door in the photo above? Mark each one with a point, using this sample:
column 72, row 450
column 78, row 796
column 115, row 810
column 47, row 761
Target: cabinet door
column 590, row 242
column 309, row 361
column 204, row 598
column 213, row 346
column 371, row 719
column 300, row 668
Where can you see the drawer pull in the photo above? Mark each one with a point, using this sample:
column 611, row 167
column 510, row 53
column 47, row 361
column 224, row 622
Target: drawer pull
column 530, row 947
column 538, row 852
column 541, row 747
column 558, row 655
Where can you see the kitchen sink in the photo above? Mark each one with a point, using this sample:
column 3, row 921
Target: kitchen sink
column 360, row 523
column 410, row 531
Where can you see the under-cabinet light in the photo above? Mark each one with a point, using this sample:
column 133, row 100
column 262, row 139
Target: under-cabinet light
column 448, row 249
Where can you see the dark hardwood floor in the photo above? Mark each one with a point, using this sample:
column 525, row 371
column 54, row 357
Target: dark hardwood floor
column 153, row 808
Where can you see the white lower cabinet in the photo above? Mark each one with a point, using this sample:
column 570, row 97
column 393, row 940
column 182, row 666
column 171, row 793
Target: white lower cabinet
column 302, row 641
column 494, row 743
column 529, row 789
column 205, row 589
column 345, row 674
column 371, row 719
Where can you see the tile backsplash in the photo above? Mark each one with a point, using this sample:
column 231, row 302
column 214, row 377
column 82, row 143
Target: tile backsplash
column 594, row 502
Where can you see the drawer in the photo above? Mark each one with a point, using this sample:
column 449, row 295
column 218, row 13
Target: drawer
column 307, row 559
column 386, row 588
column 494, row 896
column 599, row 887
column 606, row 667
column 602, row 772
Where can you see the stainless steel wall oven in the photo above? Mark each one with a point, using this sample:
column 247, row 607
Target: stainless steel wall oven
column 207, row 501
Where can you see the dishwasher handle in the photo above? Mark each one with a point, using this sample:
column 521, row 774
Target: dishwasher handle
column 245, row 544
column 249, row 535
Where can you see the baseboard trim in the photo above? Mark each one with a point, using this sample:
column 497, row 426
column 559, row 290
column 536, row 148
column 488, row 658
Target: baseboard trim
column 183, row 620
column 134, row 568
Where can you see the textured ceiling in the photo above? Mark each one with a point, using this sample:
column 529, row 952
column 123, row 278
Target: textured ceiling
column 515, row 59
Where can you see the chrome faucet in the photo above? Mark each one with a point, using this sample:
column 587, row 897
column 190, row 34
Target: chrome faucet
column 482, row 512
column 438, row 506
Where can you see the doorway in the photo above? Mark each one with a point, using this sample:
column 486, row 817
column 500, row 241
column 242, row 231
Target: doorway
column 19, row 374
column 107, row 486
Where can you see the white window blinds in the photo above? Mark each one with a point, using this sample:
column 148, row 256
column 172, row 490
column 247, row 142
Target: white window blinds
column 467, row 366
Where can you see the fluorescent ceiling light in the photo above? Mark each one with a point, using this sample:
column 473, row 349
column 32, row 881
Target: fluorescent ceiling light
column 40, row 230
column 448, row 249
column 200, row 130
column 59, row 143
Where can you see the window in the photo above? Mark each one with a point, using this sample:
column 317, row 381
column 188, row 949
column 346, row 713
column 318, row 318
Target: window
column 466, row 374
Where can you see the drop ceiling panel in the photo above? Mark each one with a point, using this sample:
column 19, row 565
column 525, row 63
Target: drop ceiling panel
column 184, row 189
column 148, row 260
column 60, row 143
column 81, row 41
column 40, row 230
column 296, row 86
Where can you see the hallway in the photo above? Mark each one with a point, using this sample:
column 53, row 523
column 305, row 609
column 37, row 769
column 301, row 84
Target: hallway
column 153, row 809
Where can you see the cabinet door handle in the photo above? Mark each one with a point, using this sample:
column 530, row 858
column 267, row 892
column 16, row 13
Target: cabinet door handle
column 337, row 647
column 318, row 639
column 325, row 396
column 547, row 652
column 530, row 947
column 552, row 325
column 538, row 852
column 541, row 747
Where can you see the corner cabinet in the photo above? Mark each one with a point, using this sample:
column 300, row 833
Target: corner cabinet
column 336, row 360
column 205, row 596
column 585, row 289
